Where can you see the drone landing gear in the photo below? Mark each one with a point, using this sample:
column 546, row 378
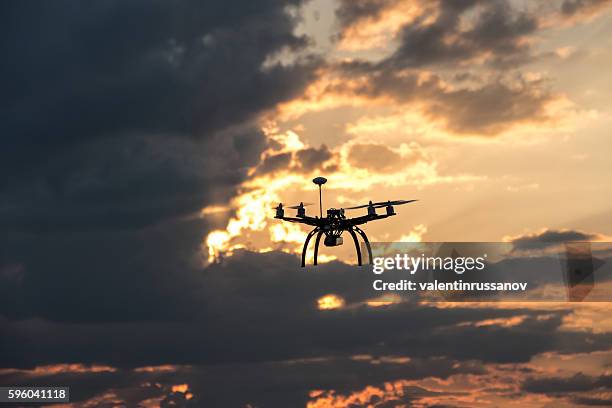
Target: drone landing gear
column 310, row 235
column 365, row 240
column 319, row 232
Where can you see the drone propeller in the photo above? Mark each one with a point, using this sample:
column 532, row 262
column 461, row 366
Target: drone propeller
column 295, row 207
column 381, row 204
column 356, row 207
column 394, row 202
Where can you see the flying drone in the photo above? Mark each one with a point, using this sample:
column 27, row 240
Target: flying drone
column 336, row 222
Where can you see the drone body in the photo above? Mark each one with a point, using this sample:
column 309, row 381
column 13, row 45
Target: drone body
column 336, row 223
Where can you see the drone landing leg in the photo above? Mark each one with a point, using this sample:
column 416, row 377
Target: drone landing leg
column 316, row 248
column 308, row 237
column 356, row 246
column 367, row 243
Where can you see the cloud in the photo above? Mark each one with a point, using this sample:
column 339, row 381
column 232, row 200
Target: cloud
column 448, row 32
column 239, row 320
column 122, row 122
column 380, row 158
column 484, row 110
column 110, row 275
column 275, row 162
column 312, row 158
column 592, row 401
column 457, row 63
column 133, row 181
column 304, row 160
column 550, row 238
column 497, row 34
column 215, row 385
column 261, row 297
column 492, row 108
column 125, row 118
column 576, row 383
column 350, row 12
column 571, row 8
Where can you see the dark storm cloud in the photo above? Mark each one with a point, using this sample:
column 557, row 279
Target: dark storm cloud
column 576, row 383
column 110, row 103
column 149, row 66
column 105, row 276
column 550, row 238
column 591, row 401
column 215, row 385
column 122, row 120
column 249, row 323
column 579, row 389
column 255, row 308
column 129, row 181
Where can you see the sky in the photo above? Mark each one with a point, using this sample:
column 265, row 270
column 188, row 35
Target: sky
column 145, row 145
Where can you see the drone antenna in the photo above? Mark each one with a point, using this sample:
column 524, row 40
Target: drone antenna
column 320, row 181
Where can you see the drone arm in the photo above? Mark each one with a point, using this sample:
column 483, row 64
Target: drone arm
column 366, row 218
column 302, row 220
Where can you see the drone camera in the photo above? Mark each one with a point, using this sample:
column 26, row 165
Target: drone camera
column 332, row 241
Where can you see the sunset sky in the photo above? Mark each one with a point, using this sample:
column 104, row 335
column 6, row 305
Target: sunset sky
column 499, row 111
column 146, row 143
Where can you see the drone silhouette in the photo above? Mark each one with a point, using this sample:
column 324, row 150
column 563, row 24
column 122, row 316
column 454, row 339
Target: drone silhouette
column 337, row 223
